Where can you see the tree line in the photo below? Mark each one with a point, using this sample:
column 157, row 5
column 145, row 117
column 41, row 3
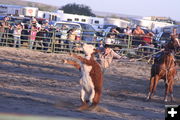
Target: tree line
column 79, row 9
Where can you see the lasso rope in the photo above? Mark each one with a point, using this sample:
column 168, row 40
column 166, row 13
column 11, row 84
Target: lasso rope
column 148, row 55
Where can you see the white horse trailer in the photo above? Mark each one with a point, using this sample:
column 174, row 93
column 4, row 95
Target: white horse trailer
column 96, row 22
column 14, row 10
column 30, row 11
column 51, row 16
column 116, row 21
column 155, row 26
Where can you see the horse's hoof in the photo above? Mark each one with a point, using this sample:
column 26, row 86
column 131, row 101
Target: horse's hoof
column 173, row 100
column 147, row 99
column 165, row 100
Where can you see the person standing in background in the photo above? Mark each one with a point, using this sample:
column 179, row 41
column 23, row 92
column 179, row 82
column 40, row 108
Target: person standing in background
column 17, row 34
column 138, row 31
column 32, row 36
column 111, row 36
column 5, row 29
column 148, row 39
column 46, row 35
column 128, row 31
column 174, row 33
column 138, row 35
column 71, row 37
column 1, row 31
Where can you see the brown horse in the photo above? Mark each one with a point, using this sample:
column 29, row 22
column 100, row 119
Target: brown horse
column 164, row 68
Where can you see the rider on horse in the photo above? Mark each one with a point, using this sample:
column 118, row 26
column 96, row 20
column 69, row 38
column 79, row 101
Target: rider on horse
column 171, row 46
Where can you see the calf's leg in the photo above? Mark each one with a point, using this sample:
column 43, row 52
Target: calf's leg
column 84, row 105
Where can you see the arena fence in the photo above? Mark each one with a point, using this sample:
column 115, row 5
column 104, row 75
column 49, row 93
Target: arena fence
column 53, row 41
column 5, row 116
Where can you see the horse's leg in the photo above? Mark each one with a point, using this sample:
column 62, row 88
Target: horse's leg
column 171, row 84
column 166, row 92
column 169, row 88
column 150, row 88
column 171, row 91
column 156, row 79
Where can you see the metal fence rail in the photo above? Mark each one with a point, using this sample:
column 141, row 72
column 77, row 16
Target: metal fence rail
column 52, row 41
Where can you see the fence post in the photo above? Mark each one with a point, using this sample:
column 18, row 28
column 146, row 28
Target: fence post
column 6, row 38
column 53, row 41
column 129, row 41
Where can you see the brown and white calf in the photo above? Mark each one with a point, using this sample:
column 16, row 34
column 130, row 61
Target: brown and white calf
column 92, row 79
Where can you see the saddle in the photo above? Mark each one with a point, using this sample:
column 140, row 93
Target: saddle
column 158, row 57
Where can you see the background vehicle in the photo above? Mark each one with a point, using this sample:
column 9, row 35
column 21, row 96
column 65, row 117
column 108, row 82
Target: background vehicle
column 116, row 43
column 1, row 18
column 162, row 38
column 15, row 20
column 88, row 33
column 109, row 25
column 41, row 20
column 85, row 31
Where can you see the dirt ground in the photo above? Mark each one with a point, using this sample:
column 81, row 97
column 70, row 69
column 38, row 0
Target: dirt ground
column 36, row 83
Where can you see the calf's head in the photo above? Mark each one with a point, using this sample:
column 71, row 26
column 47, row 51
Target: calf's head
column 88, row 49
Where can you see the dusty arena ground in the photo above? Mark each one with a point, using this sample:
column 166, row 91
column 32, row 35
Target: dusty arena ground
column 36, row 83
